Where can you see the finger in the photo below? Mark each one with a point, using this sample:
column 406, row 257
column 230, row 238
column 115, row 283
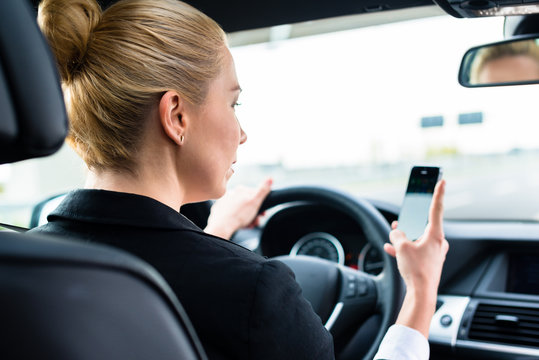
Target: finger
column 396, row 237
column 394, row 224
column 256, row 221
column 264, row 189
column 388, row 248
column 436, row 213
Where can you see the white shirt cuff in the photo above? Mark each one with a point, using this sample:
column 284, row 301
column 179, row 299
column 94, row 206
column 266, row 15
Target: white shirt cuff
column 403, row 343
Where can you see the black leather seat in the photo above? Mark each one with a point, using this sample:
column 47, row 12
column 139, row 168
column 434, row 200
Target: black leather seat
column 61, row 299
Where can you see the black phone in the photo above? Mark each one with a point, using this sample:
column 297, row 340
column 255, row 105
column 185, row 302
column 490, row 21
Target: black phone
column 414, row 212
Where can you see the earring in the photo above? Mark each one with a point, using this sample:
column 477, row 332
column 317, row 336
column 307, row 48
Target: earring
column 181, row 138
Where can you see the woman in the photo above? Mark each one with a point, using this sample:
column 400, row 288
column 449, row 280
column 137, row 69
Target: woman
column 150, row 88
column 509, row 62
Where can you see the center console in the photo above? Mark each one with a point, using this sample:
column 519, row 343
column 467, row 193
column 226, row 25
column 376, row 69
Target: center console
column 501, row 318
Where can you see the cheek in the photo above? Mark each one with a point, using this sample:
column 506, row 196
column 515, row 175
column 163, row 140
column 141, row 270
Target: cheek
column 227, row 134
column 222, row 136
column 234, row 136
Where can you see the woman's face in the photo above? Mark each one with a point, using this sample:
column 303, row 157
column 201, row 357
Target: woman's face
column 213, row 138
column 510, row 68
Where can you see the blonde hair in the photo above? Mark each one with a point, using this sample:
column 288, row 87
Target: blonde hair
column 116, row 64
column 495, row 52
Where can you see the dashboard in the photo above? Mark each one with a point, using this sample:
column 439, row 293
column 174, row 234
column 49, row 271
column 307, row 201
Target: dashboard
column 315, row 230
column 493, row 312
column 488, row 303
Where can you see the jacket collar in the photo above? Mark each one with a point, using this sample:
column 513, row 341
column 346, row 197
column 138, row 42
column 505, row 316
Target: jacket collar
column 110, row 207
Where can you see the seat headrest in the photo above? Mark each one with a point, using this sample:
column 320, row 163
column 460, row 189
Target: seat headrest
column 33, row 120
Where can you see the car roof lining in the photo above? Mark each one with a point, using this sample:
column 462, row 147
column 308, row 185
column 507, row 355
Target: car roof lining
column 322, row 26
column 240, row 15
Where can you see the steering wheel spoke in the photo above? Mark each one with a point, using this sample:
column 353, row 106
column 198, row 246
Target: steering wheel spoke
column 357, row 301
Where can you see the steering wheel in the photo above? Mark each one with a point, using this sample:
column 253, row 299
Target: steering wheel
column 348, row 298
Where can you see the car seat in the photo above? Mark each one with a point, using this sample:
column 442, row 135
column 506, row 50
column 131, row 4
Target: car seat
column 63, row 299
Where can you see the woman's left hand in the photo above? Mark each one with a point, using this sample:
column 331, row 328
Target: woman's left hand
column 237, row 209
column 420, row 263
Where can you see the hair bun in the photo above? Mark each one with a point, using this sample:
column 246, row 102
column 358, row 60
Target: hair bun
column 68, row 26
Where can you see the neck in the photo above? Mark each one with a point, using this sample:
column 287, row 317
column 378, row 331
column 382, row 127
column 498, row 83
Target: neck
column 153, row 184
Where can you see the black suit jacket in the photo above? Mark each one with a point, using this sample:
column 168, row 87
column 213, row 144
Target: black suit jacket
column 242, row 305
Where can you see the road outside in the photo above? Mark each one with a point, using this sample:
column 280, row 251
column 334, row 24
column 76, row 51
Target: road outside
column 485, row 187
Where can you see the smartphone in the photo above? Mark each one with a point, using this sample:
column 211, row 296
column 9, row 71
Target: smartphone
column 414, row 212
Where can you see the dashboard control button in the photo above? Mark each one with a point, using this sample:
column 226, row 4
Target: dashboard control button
column 351, row 292
column 446, row 320
column 363, row 287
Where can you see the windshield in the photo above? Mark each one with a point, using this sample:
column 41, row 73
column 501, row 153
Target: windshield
column 355, row 110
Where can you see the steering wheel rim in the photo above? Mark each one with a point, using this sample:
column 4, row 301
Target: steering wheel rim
column 389, row 285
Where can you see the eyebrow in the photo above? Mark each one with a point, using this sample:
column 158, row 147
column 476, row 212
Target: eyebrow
column 236, row 88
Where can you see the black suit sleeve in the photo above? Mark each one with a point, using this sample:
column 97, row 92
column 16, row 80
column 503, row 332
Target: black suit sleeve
column 282, row 323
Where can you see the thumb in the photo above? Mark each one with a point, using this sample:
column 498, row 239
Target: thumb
column 436, row 212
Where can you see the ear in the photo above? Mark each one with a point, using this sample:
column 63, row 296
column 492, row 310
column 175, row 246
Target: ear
column 172, row 116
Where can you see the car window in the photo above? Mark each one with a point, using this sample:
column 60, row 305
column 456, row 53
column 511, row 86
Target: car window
column 25, row 184
column 356, row 109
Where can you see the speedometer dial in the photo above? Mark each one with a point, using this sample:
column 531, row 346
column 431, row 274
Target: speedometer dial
column 371, row 260
column 321, row 245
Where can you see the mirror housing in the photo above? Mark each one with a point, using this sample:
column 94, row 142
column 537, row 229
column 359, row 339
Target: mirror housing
column 481, row 8
column 509, row 62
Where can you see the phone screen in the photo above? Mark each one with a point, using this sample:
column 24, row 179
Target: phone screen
column 414, row 213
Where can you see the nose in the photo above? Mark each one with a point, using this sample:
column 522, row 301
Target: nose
column 243, row 136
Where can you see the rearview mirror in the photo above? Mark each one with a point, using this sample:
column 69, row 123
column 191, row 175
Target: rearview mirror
column 510, row 62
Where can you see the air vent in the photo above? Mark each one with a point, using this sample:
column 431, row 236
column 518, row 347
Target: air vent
column 506, row 324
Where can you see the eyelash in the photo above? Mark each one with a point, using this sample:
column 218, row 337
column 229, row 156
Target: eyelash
column 236, row 104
